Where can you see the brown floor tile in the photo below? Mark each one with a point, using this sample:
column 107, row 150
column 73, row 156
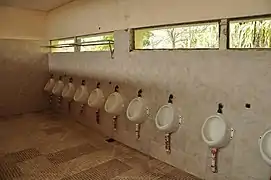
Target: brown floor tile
column 21, row 156
column 49, row 146
column 8, row 171
column 104, row 171
column 178, row 175
column 70, row 153
column 54, row 130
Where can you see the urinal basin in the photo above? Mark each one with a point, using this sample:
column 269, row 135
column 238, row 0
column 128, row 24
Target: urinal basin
column 215, row 131
column 68, row 91
column 167, row 119
column 58, row 88
column 81, row 94
column 137, row 110
column 49, row 85
column 96, row 98
column 114, row 103
column 265, row 147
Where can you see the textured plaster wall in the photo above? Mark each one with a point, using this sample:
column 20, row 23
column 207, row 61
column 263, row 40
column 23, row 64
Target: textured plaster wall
column 19, row 23
column 199, row 81
column 86, row 17
column 23, row 72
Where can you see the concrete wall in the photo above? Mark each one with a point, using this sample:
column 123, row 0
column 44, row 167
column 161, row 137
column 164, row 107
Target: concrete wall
column 199, row 81
column 86, row 17
column 23, row 72
column 22, row 24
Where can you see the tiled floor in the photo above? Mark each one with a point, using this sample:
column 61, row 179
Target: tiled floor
column 46, row 146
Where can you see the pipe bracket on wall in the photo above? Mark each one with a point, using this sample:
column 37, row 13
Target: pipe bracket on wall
column 116, row 88
column 170, row 99
column 98, row 85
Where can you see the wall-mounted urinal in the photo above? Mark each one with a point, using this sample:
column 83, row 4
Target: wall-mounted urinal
column 265, row 146
column 114, row 105
column 137, row 112
column 50, row 85
column 96, row 98
column 81, row 95
column 58, row 88
column 168, row 121
column 216, row 133
column 69, row 90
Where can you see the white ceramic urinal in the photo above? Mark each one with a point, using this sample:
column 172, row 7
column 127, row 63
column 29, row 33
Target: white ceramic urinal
column 68, row 91
column 114, row 103
column 96, row 98
column 81, row 94
column 216, row 131
column 49, row 85
column 167, row 119
column 58, row 88
column 137, row 110
column 265, row 146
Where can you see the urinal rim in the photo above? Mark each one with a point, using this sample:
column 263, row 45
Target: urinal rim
column 48, row 83
column 56, row 87
column 265, row 157
column 170, row 126
column 96, row 101
column 140, row 114
column 69, row 85
column 83, row 88
column 117, row 105
column 218, row 143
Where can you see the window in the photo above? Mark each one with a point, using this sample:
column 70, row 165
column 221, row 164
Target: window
column 100, row 42
column 189, row 36
column 63, row 45
column 253, row 33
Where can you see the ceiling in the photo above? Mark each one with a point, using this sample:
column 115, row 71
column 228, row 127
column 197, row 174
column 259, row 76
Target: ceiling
column 42, row 5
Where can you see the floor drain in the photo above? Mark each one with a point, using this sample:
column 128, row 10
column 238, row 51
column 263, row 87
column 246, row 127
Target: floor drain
column 110, row 140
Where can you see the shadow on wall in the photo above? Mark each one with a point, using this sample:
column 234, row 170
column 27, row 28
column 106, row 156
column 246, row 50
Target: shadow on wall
column 23, row 71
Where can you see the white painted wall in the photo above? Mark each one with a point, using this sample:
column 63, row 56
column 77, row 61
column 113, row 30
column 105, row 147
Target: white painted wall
column 22, row 24
column 85, row 16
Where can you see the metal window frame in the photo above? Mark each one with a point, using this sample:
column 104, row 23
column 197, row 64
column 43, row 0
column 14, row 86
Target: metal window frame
column 257, row 17
column 132, row 35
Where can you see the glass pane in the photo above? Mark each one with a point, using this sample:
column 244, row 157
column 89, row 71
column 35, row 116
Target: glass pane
column 98, row 47
column 250, row 34
column 174, row 37
column 61, row 42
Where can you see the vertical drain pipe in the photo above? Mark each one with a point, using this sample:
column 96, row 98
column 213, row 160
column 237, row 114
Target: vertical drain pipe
column 138, row 126
column 82, row 107
column 115, row 118
column 51, row 94
column 214, row 151
column 59, row 98
column 167, row 142
column 71, row 100
column 98, row 109
column 168, row 135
